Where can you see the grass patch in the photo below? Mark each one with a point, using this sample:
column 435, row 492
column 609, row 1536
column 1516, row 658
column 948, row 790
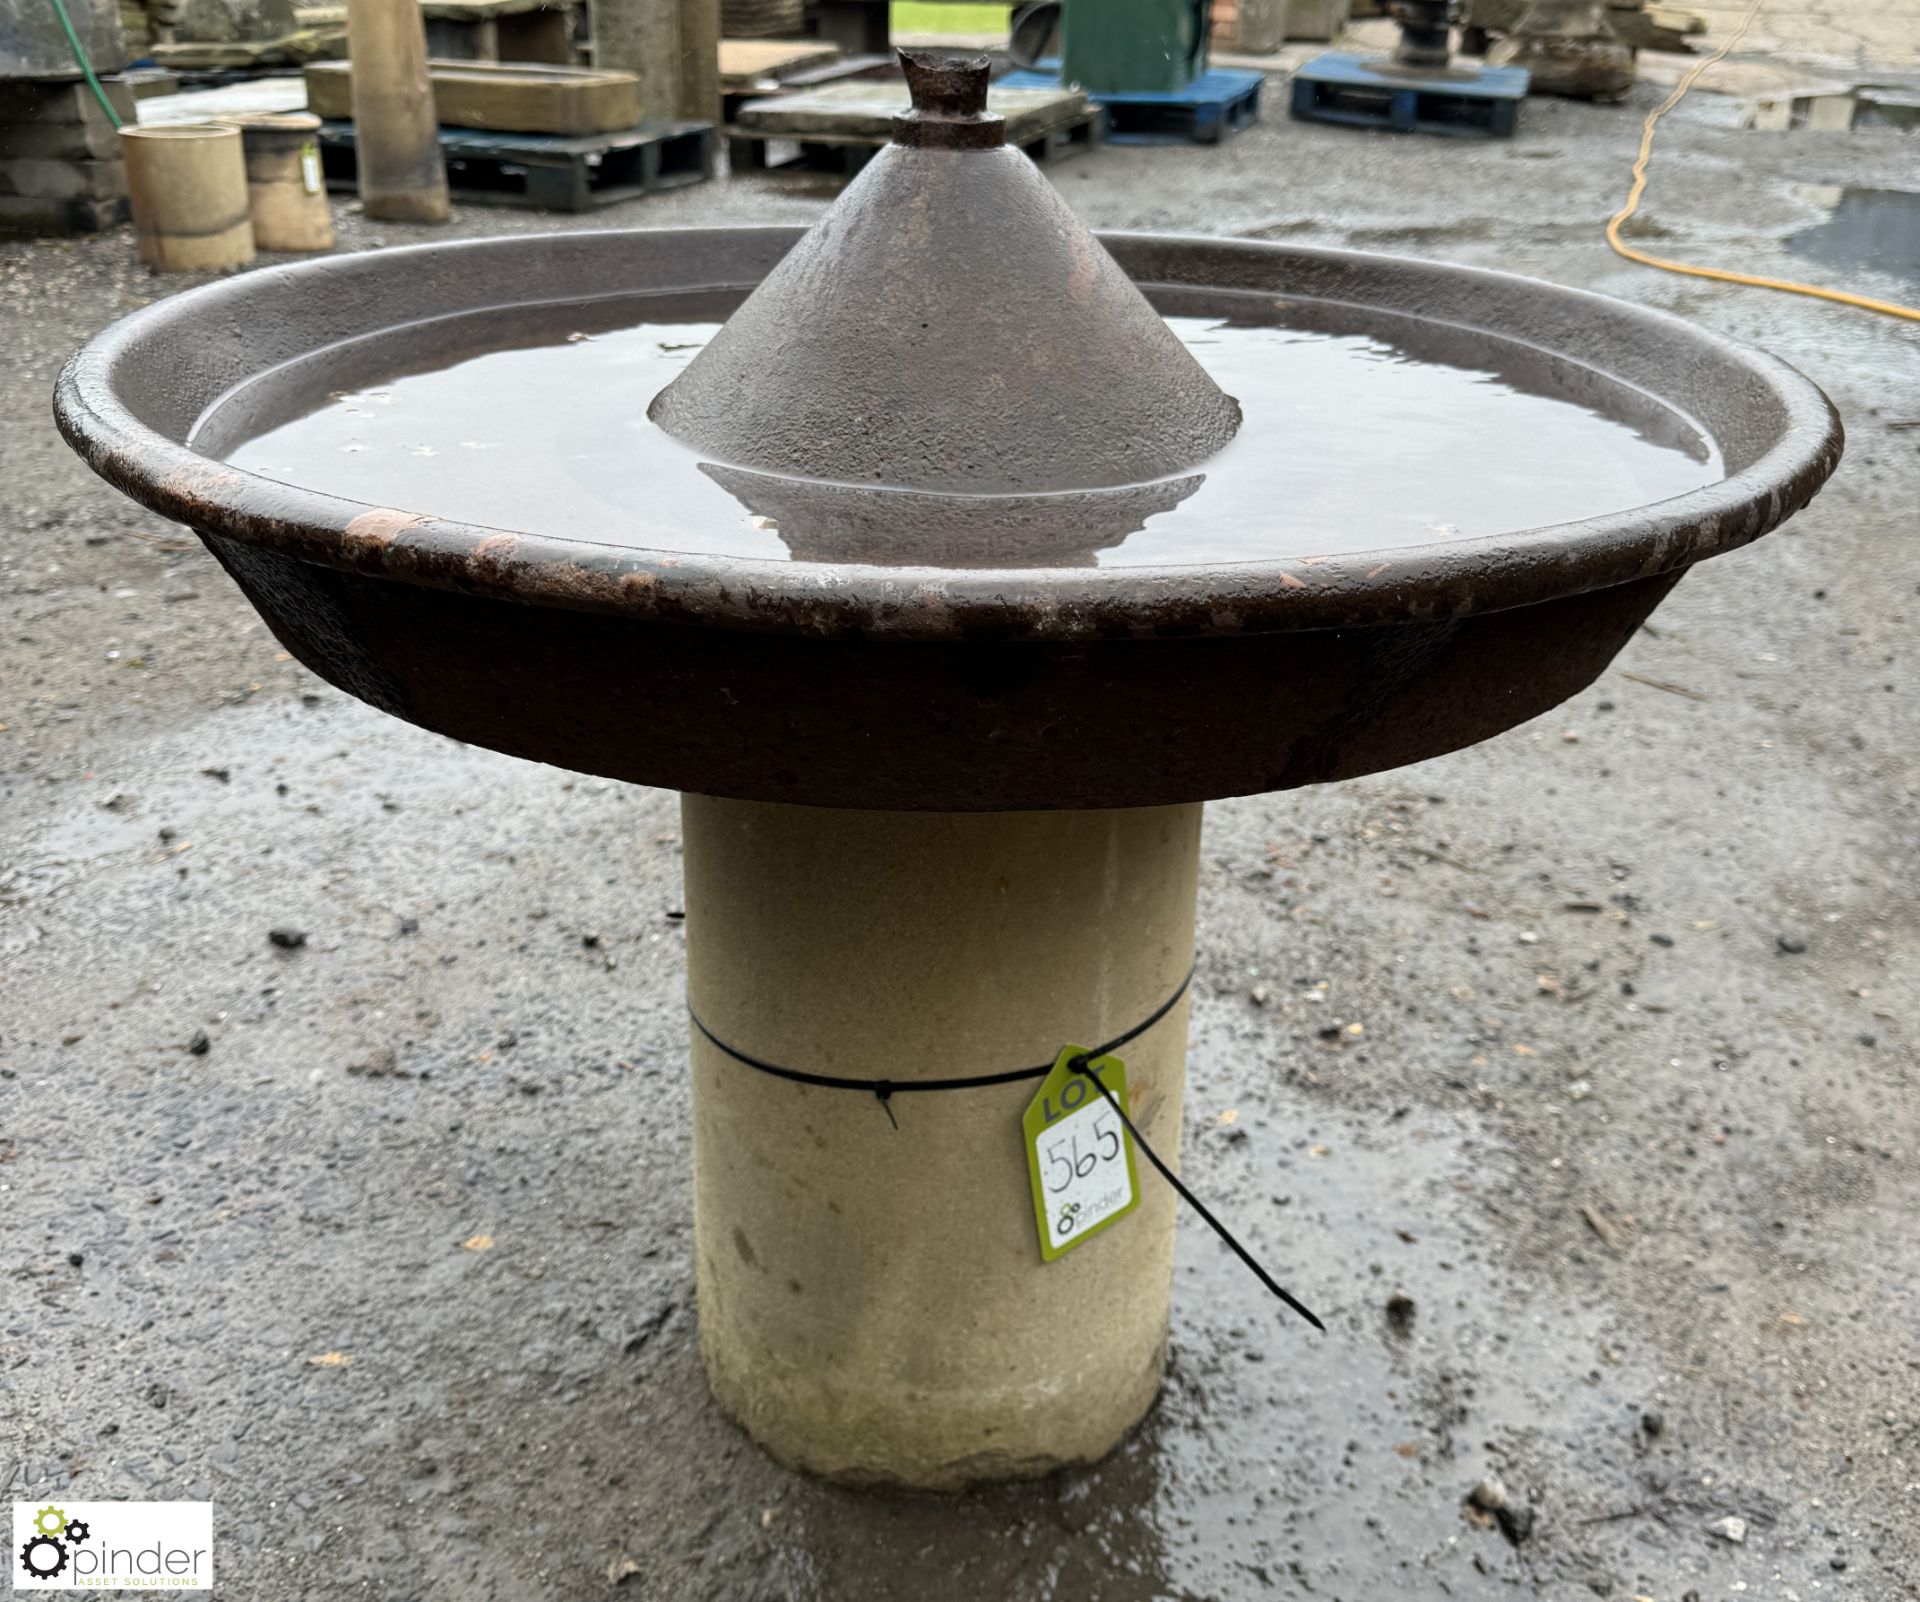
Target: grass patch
column 909, row 17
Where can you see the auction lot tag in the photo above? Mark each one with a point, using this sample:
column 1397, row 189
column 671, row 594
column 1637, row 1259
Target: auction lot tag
column 1078, row 1154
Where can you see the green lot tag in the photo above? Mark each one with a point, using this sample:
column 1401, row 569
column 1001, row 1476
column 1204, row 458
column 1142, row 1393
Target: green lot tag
column 1078, row 1154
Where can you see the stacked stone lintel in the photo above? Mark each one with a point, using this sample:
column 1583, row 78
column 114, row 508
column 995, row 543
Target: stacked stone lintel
column 147, row 23
column 61, row 170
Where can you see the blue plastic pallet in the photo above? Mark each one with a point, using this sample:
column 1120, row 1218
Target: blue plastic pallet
column 1216, row 104
column 1368, row 92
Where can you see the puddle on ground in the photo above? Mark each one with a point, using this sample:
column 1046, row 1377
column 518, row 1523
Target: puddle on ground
column 1875, row 229
column 1887, row 105
column 1279, row 1459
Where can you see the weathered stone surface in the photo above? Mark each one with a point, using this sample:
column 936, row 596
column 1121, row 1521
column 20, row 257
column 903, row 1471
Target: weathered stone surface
column 48, row 178
column 33, row 44
column 672, row 46
column 514, row 97
column 232, row 21
column 1570, row 48
column 35, row 214
column 1638, row 26
column 60, row 141
column 27, row 100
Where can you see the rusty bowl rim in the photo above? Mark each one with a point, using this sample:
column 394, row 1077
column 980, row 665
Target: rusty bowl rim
column 1358, row 589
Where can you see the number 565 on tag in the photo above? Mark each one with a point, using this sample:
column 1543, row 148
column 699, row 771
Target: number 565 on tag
column 1079, row 1157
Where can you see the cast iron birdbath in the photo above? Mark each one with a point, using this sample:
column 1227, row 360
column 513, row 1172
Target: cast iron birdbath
column 946, row 580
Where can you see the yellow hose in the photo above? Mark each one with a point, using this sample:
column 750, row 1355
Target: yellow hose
column 1720, row 275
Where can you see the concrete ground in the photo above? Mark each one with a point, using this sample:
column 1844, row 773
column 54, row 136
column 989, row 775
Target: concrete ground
column 1597, row 1042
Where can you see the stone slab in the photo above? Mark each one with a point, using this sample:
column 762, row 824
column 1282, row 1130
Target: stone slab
column 25, row 100
column 867, row 110
column 62, row 141
column 230, row 100
column 511, row 97
column 747, row 63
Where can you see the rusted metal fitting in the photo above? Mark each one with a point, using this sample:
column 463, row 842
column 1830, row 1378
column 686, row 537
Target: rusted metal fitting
column 949, row 103
column 1425, row 40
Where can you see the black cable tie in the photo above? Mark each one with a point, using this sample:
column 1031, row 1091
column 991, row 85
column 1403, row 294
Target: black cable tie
column 1008, row 1076
column 1081, row 1067
column 885, row 1089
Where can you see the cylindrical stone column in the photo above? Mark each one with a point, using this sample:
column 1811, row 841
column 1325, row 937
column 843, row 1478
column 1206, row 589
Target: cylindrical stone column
column 396, row 130
column 698, row 26
column 188, row 186
column 873, row 1302
column 642, row 37
column 671, row 46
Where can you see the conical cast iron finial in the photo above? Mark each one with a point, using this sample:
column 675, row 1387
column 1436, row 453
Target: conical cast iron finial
column 949, row 325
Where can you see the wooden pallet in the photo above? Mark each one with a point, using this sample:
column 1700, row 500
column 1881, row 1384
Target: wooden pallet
column 549, row 172
column 846, row 154
column 1368, row 92
column 1217, row 104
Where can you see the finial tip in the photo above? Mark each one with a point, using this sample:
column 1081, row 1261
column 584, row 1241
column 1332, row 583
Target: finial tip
column 945, row 85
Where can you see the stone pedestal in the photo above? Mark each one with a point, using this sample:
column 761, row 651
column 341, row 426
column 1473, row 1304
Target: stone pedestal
column 1569, row 47
column 873, row 1303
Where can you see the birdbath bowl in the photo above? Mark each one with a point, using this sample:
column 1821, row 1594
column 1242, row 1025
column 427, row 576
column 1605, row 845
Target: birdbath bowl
column 946, row 559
